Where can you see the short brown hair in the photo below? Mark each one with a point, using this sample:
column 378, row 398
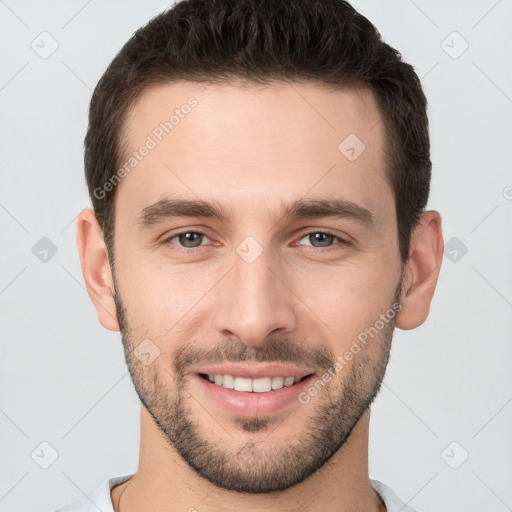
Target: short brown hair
column 325, row 41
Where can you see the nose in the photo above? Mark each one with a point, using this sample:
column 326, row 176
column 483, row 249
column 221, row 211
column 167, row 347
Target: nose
column 255, row 300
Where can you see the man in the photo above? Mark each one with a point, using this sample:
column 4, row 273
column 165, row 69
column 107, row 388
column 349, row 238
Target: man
column 259, row 172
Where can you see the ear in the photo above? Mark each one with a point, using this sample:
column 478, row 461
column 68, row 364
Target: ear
column 96, row 269
column 421, row 271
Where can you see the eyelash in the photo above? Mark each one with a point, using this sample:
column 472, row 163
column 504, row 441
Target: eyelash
column 342, row 241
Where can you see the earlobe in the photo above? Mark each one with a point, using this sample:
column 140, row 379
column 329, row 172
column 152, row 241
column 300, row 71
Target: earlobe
column 421, row 271
column 96, row 268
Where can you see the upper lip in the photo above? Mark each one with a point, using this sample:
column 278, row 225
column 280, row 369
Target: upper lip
column 255, row 370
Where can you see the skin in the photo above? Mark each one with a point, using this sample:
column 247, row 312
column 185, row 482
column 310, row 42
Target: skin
column 252, row 149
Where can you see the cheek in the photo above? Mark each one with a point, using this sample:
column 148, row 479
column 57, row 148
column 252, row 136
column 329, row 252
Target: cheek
column 161, row 298
column 346, row 299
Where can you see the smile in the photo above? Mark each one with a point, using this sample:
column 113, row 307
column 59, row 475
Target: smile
column 244, row 384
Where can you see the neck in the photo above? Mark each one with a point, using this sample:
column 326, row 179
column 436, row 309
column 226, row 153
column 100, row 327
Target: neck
column 166, row 483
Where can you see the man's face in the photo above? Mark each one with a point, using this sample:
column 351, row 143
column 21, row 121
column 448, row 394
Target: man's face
column 256, row 294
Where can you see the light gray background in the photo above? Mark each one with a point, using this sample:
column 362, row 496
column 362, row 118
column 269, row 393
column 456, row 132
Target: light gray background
column 63, row 378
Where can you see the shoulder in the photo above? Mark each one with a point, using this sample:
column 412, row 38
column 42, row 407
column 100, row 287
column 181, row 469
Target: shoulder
column 391, row 500
column 99, row 500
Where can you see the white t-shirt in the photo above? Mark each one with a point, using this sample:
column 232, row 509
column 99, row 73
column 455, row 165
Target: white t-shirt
column 100, row 500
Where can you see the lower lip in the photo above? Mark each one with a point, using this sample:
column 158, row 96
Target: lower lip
column 242, row 403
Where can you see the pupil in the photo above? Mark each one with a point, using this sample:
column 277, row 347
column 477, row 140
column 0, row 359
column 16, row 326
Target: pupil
column 323, row 238
column 188, row 238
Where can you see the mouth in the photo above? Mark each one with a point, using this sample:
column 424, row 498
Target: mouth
column 253, row 390
column 247, row 385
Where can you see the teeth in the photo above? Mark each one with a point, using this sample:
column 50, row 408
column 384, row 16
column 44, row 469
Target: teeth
column 288, row 381
column 242, row 384
column 261, row 385
column 228, row 381
column 277, row 382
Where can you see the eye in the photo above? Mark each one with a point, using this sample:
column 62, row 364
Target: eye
column 190, row 240
column 320, row 239
column 187, row 239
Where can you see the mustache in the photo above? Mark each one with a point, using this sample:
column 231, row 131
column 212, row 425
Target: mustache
column 273, row 350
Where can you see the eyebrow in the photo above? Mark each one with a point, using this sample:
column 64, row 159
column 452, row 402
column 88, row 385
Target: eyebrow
column 167, row 208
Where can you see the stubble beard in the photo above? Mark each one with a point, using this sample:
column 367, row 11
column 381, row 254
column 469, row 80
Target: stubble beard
column 256, row 466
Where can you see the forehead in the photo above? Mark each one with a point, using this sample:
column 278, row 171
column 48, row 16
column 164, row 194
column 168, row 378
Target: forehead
column 246, row 143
